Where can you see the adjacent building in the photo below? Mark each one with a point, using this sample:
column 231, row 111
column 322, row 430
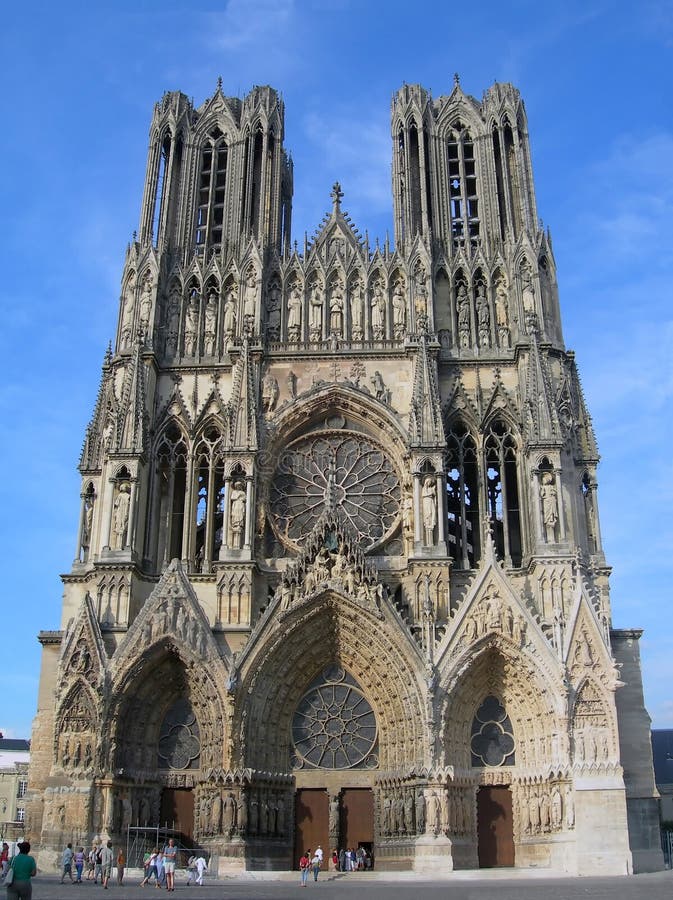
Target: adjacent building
column 339, row 575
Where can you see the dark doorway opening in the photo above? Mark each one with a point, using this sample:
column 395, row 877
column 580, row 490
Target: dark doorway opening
column 495, row 827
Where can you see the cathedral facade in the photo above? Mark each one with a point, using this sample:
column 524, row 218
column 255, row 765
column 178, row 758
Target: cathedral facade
column 339, row 577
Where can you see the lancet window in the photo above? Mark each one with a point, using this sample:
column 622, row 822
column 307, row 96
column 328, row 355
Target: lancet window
column 502, row 492
column 463, row 197
column 462, row 496
column 209, row 499
column 211, row 188
column 169, row 496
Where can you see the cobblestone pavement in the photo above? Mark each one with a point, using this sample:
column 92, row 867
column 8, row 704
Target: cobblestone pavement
column 388, row 886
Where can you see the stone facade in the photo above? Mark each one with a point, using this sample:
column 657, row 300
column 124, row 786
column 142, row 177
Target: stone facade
column 338, row 523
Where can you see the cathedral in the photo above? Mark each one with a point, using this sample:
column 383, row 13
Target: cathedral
column 339, row 576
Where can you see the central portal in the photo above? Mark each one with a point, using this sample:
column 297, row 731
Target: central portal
column 355, row 823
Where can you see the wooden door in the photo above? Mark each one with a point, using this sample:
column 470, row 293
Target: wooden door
column 495, row 828
column 177, row 811
column 311, row 823
column 357, row 818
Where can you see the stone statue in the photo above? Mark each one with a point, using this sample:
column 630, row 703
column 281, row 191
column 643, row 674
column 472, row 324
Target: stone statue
column 336, row 309
column 228, row 813
column 145, row 310
column 273, row 312
column 120, row 516
column 420, row 812
column 191, row 324
column 216, row 814
column 527, row 289
column 294, row 314
column 210, row 323
column 548, row 497
column 429, row 509
column 173, row 320
column 229, row 323
column 129, row 311
column 334, row 816
column 379, row 387
column 269, row 392
column 378, row 310
column 237, row 515
column 556, row 808
column 399, row 309
column 87, row 523
column 316, row 310
column 463, row 305
column 250, row 302
column 292, row 385
column 483, row 317
column 357, row 310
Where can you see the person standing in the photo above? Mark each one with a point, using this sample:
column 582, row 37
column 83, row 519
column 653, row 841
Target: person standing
column 121, row 864
column 170, row 858
column 66, row 862
column 161, row 872
column 24, row 868
column 315, row 865
column 79, row 864
column 304, row 867
column 106, row 858
column 4, row 859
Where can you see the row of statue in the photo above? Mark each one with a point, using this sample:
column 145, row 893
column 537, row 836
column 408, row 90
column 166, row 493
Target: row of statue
column 544, row 808
column 362, row 309
column 255, row 811
column 76, row 752
column 592, row 745
column 491, row 615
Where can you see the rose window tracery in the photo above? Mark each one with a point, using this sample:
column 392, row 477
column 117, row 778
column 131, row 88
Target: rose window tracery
column 347, row 472
column 334, row 726
column 492, row 741
column 179, row 739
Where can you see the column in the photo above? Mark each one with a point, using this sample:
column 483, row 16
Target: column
column 560, row 506
column 130, row 526
column 188, row 517
column 441, row 509
column 107, row 513
column 80, row 530
column 249, row 512
column 225, row 517
column 210, row 518
column 418, row 521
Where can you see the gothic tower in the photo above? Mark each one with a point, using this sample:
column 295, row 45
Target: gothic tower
column 339, row 576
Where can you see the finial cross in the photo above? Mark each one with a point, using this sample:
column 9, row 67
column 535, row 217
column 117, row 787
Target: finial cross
column 336, row 194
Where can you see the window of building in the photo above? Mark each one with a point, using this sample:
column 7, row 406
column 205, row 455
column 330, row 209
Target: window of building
column 210, row 192
column 20, row 814
column 21, row 789
column 462, row 502
column 463, row 198
column 492, row 742
column 179, row 740
column 502, row 492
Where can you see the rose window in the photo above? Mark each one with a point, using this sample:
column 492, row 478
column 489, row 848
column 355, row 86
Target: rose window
column 179, row 741
column 492, row 741
column 334, row 726
column 345, row 472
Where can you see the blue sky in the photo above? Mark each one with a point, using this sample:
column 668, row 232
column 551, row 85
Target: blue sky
column 80, row 84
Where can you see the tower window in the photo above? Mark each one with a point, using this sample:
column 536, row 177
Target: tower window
column 462, row 503
column 209, row 219
column 463, row 199
column 502, row 493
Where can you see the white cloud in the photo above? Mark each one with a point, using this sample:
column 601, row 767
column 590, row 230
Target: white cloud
column 249, row 23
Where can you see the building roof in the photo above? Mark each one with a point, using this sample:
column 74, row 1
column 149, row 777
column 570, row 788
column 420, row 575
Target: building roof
column 662, row 755
column 14, row 744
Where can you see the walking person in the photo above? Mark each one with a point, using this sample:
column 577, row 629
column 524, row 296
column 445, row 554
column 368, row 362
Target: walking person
column 4, row 859
column 79, row 864
column 66, row 862
column 121, row 865
column 23, row 868
column 315, row 865
column 161, row 874
column 170, row 858
column 305, row 866
column 151, row 869
column 91, row 863
column 107, row 857
column 201, row 867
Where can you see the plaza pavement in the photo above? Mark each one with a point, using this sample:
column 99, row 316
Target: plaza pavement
column 494, row 884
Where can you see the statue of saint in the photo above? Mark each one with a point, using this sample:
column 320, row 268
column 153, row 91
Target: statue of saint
column 294, row 314
column 316, row 309
column 237, row 515
column 229, row 324
column 120, row 516
column 429, row 509
column 548, row 497
column 192, row 324
column 378, row 309
column 357, row 310
column 399, row 308
column 336, row 309
column 210, row 323
column 273, row 312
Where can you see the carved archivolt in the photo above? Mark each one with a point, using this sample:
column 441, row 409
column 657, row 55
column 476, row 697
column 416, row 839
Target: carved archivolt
column 279, row 671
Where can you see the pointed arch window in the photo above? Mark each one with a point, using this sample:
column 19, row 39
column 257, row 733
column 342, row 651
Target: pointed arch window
column 462, row 496
column 209, row 217
column 463, row 195
column 170, row 490
column 209, row 499
column 502, row 492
